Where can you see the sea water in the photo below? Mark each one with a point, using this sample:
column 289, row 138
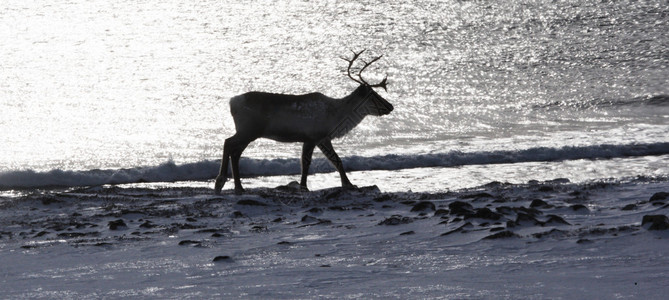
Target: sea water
column 96, row 92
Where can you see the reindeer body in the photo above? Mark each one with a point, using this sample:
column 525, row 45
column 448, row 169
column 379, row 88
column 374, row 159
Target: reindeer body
column 312, row 119
column 284, row 118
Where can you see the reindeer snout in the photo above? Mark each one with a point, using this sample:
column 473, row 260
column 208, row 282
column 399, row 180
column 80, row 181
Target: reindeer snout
column 389, row 108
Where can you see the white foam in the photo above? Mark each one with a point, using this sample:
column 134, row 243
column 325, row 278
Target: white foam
column 169, row 171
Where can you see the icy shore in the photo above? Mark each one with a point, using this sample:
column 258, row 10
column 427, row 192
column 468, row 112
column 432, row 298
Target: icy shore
column 552, row 239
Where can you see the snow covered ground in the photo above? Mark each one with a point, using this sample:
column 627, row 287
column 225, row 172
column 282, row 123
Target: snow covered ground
column 551, row 239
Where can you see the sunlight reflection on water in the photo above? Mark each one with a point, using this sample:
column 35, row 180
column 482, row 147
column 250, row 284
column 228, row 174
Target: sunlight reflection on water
column 93, row 84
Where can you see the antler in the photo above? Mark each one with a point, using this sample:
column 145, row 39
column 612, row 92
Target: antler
column 350, row 64
column 381, row 84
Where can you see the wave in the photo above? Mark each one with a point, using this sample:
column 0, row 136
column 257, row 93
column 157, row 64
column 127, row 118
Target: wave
column 205, row 170
column 656, row 100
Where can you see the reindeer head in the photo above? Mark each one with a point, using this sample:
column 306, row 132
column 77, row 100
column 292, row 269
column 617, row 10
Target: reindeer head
column 374, row 103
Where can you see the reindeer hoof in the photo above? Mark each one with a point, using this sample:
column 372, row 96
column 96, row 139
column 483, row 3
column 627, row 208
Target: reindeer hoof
column 218, row 185
column 239, row 190
column 350, row 187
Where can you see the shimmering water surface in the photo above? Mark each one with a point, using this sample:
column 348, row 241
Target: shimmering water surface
column 120, row 84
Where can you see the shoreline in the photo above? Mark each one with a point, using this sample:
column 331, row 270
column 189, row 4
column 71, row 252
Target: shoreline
column 539, row 239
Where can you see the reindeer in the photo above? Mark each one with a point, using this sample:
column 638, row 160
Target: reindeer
column 312, row 119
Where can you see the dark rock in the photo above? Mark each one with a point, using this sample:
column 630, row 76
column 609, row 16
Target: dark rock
column 559, row 180
column 189, row 242
column 441, row 212
column 407, row 233
column 50, row 199
column 216, row 235
column 553, row 232
column 584, row 241
column 476, row 196
column 237, row 214
column 485, row 213
column 396, row 220
column 189, row 219
column 291, row 187
column 76, row 234
column 277, row 220
column 459, row 229
column 315, row 210
column 539, row 203
column 408, row 202
column 659, row 196
column 424, row 205
column 337, row 208
column 525, row 219
column 131, row 211
column 313, row 221
column 579, row 207
column 383, row 198
column 222, row 258
column 506, row 210
column 41, row 233
column 495, row 229
column 657, row 222
column 258, row 228
column 553, row 220
column 460, row 208
column 546, row 188
column 335, row 194
column 147, row 224
column 325, row 266
column 309, row 219
column 629, row 207
column 494, row 184
column 501, row 235
column 116, row 225
column 250, row 202
column 283, row 243
column 185, row 226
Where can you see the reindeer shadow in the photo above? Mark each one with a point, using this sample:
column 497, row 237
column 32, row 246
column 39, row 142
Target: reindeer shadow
column 294, row 195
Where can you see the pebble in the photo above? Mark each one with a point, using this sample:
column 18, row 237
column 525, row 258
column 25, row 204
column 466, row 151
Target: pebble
column 222, row 258
column 657, row 222
column 396, row 220
column 116, row 225
column 659, row 196
column 423, row 206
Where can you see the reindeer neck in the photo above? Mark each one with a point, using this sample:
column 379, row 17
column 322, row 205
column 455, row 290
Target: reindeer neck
column 355, row 98
column 349, row 113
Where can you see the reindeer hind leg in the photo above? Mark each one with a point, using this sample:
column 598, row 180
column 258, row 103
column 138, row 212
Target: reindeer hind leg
column 223, row 171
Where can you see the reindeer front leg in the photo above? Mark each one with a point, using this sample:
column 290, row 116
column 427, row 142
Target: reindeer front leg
column 326, row 148
column 307, row 153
